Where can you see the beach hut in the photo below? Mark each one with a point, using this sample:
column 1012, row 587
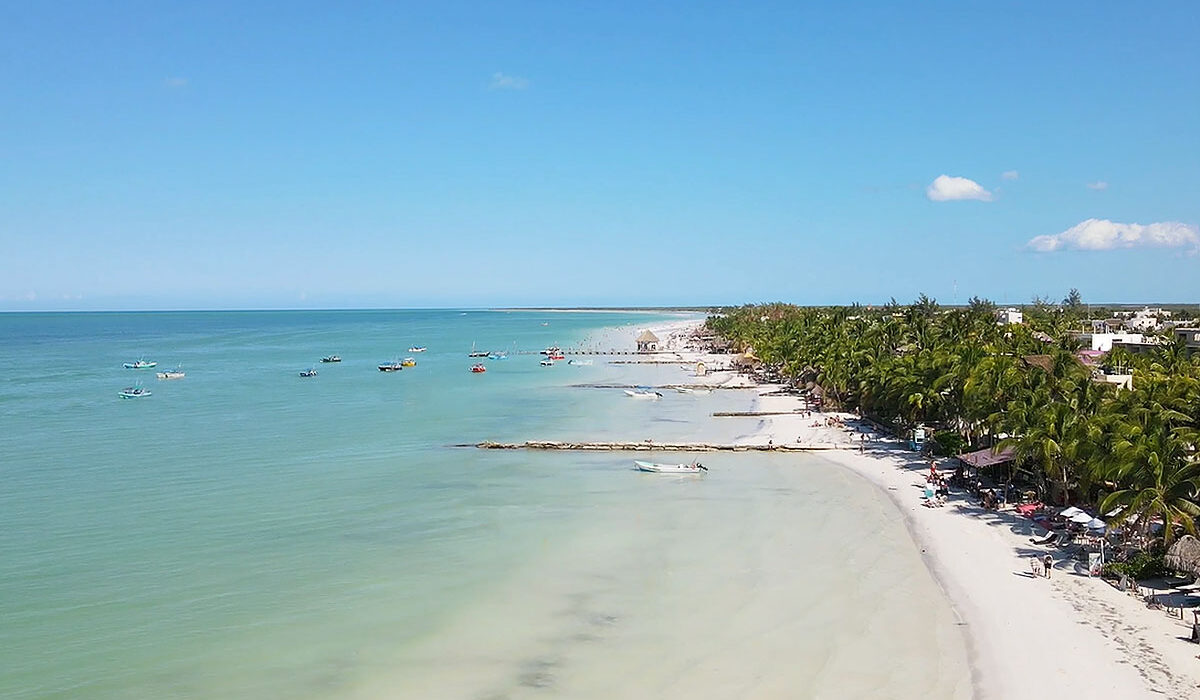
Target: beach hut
column 647, row 342
column 1184, row 556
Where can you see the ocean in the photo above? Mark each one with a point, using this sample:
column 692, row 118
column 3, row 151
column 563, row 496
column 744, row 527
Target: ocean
column 247, row 533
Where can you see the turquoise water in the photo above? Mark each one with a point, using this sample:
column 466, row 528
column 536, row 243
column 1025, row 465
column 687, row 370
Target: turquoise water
column 248, row 533
column 243, row 504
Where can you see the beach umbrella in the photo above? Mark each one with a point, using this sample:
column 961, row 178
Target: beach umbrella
column 1184, row 555
column 1072, row 512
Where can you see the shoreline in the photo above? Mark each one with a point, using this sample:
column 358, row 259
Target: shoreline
column 1024, row 636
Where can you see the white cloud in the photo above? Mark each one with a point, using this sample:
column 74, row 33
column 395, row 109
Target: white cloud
column 500, row 81
column 175, row 82
column 946, row 188
column 1097, row 185
column 1102, row 234
column 1010, row 175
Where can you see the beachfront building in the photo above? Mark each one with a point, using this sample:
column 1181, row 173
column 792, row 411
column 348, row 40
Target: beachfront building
column 647, row 342
column 1121, row 381
column 1009, row 316
column 1145, row 345
column 1190, row 337
column 1104, row 341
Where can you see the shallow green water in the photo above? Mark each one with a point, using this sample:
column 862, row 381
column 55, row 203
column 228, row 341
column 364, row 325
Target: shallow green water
column 245, row 532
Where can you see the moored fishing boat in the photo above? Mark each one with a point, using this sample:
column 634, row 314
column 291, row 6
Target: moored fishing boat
column 310, row 372
column 478, row 368
column 417, row 348
column 176, row 373
column 477, row 353
column 393, row 366
column 141, row 364
column 133, row 392
column 331, row 358
column 408, row 362
column 580, row 363
column 547, row 362
column 643, row 392
column 692, row 468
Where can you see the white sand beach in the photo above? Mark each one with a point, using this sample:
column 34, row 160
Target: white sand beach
column 1067, row 635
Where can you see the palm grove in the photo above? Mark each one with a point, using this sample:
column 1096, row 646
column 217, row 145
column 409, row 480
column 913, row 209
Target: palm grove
column 981, row 384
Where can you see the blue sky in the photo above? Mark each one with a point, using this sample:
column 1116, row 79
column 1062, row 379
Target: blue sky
column 210, row 155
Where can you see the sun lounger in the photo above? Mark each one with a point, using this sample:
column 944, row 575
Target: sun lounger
column 1050, row 537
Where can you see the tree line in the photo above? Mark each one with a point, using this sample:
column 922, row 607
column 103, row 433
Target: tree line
column 979, row 383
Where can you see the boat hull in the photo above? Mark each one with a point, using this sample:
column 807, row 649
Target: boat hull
column 647, row 395
column 656, row 468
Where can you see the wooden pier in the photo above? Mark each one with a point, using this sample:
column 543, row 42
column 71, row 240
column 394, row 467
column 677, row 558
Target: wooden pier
column 746, row 414
column 661, row 386
column 653, row 446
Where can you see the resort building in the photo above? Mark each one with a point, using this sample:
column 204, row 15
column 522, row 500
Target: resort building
column 1146, row 319
column 1145, row 345
column 1190, row 337
column 647, row 342
column 1104, row 341
column 1009, row 316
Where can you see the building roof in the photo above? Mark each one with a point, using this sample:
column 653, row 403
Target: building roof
column 646, row 337
column 1045, row 362
column 987, row 457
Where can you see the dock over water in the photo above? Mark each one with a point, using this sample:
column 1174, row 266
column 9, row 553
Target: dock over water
column 654, row 446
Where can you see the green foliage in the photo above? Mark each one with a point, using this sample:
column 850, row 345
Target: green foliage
column 970, row 378
column 948, row 443
column 1142, row 565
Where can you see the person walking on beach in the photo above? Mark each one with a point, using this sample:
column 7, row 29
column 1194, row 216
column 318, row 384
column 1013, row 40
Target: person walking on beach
column 862, row 443
column 1048, row 563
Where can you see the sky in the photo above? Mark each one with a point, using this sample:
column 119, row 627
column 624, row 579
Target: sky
column 390, row 154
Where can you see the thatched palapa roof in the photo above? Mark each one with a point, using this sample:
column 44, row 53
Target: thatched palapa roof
column 1045, row 362
column 988, row 457
column 1184, row 555
column 646, row 337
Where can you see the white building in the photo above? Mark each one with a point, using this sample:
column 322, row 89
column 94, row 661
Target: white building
column 1009, row 316
column 1104, row 341
column 1146, row 319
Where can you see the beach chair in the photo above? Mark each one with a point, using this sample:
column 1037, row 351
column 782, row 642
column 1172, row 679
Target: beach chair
column 1063, row 540
column 1048, row 539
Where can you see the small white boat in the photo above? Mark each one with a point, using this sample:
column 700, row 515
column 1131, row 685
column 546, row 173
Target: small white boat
column 693, row 468
column 310, row 372
column 418, row 348
column 643, row 392
column 393, row 366
column 331, row 358
column 690, row 390
column 580, row 363
column 547, row 363
column 140, row 364
column 133, row 392
column 176, row 373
